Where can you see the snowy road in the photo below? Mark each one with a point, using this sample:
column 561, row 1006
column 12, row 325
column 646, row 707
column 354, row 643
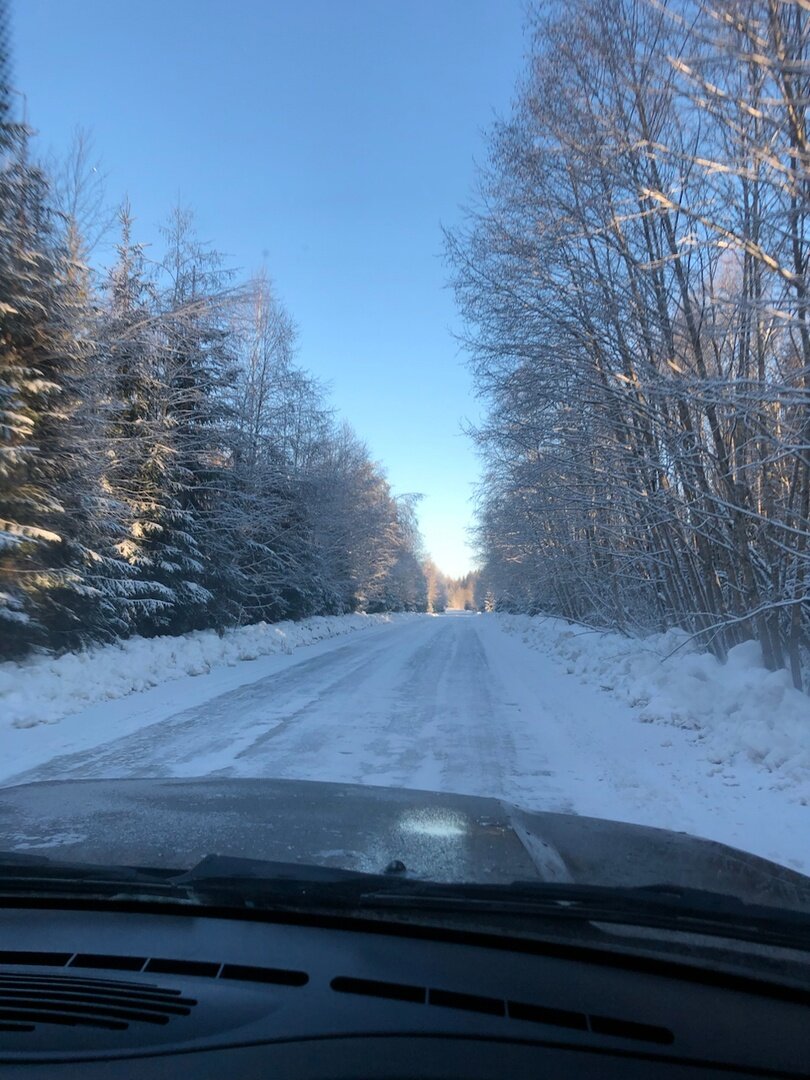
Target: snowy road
column 422, row 704
column 449, row 703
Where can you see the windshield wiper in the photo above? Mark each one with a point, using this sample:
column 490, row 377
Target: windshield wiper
column 661, row 907
column 215, row 877
column 22, row 874
column 657, row 906
column 223, row 881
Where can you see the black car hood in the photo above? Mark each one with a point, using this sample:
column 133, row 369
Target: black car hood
column 441, row 837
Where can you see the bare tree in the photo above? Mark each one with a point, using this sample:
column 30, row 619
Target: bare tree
column 634, row 281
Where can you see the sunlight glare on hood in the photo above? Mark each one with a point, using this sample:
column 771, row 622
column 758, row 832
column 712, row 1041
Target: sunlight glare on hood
column 443, row 824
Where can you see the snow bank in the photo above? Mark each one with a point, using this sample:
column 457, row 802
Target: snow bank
column 734, row 711
column 43, row 690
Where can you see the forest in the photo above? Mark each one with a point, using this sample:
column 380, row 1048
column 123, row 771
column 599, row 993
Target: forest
column 633, row 273
column 165, row 465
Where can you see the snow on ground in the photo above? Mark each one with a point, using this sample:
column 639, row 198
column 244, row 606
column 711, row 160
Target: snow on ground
column 46, row 689
column 739, row 712
column 536, row 712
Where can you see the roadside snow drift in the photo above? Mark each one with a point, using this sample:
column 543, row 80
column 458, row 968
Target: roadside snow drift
column 45, row 689
column 737, row 710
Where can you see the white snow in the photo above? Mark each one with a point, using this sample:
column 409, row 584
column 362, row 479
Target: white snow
column 548, row 716
column 738, row 711
column 45, row 689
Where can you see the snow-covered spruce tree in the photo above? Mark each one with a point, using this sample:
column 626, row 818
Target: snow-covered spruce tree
column 47, row 555
column 137, row 446
column 190, row 465
column 19, row 398
column 80, row 220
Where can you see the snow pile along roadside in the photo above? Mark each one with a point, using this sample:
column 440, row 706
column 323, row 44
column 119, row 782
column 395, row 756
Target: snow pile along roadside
column 43, row 690
column 735, row 710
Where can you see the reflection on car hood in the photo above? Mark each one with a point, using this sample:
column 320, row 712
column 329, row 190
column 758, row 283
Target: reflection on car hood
column 174, row 823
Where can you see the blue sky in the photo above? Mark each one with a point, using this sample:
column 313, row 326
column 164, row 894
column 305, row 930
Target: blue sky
column 327, row 141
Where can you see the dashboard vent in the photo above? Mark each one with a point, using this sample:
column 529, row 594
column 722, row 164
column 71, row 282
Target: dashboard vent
column 199, row 969
column 515, row 1010
column 65, row 1003
column 157, row 965
column 30, row 999
column 451, row 999
column 279, row 976
column 373, row 988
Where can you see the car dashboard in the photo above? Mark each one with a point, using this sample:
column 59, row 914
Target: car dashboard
column 140, row 993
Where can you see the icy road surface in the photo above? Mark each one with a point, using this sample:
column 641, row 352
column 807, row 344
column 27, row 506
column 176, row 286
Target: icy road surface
column 449, row 703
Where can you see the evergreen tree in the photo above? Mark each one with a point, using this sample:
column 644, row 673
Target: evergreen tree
column 44, row 352
column 198, row 371
column 164, row 464
column 138, row 445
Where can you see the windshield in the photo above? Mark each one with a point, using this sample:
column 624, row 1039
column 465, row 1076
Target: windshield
column 405, row 439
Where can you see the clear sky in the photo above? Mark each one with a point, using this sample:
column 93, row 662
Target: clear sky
column 327, row 141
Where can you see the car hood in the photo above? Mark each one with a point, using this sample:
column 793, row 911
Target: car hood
column 440, row 837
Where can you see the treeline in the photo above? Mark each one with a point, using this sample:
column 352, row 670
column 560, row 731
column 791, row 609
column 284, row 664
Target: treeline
column 462, row 593
column 635, row 281
column 164, row 463
column 454, row 594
